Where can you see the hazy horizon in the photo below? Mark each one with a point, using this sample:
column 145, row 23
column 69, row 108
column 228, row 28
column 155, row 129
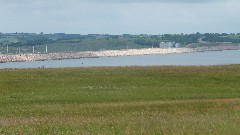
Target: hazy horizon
column 111, row 34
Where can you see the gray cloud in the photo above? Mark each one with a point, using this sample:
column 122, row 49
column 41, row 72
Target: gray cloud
column 158, row 1
column 120, row 16
column 112, row 1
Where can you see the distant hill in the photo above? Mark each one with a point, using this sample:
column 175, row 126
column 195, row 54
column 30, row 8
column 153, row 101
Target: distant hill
column 61, row 42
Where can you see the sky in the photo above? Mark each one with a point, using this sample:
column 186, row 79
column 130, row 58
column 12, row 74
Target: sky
column 120, row 16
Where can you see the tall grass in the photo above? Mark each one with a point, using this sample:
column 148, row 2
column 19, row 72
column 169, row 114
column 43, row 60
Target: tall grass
column 121, row 100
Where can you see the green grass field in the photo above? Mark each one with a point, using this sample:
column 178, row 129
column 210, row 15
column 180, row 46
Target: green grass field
column 77, row 45
column 121, row 100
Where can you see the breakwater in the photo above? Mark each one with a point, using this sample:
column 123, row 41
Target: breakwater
column 107, row 53
column 87, row 54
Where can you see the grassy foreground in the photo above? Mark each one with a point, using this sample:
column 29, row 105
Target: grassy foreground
column 121, row 100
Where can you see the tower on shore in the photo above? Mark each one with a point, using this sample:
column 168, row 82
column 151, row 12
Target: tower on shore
column 46, row 48
column 7, row 49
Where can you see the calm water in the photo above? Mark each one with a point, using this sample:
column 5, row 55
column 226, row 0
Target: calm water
column 194, row 58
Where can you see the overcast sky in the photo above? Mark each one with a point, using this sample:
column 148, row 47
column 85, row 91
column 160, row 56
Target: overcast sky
column 120, row 16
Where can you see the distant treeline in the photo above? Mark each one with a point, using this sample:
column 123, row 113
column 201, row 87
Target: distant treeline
column 222, row 37
column 26, row 39
column 182, row 38
column 185, row 39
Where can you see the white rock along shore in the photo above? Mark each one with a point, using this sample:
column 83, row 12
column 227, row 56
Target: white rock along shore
column 88, row 54
column 106, row 53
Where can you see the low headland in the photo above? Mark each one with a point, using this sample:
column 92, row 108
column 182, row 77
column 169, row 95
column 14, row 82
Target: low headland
column 106, row 53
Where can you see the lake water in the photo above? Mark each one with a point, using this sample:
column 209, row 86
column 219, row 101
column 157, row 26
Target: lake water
column 183, row 59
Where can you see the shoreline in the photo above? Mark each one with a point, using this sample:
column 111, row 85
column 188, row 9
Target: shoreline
column 4, row 58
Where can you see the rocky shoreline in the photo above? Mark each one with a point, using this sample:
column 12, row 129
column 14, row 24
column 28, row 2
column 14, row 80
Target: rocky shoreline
column 107, row 53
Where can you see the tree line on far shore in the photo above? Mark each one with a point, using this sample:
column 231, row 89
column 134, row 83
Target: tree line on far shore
column 105, row 41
